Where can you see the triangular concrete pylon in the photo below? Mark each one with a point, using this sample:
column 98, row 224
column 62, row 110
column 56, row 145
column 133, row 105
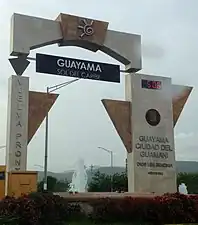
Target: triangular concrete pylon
column 180, row 95
column 39, row 105
column 120, row 114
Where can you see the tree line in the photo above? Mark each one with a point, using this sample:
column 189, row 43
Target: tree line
column 102, row 182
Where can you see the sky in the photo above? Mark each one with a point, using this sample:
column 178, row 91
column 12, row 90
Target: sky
column 78, row 123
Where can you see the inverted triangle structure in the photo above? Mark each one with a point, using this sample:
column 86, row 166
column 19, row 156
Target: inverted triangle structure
column 120, row 114
column 39, row 105
column 180, row 96
column 19, row 65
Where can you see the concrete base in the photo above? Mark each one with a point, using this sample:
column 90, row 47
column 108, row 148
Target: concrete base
column 20, row 183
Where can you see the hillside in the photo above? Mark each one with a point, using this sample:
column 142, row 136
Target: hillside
column 182, row 166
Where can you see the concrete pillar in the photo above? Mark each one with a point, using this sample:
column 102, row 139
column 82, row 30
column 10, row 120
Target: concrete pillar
column 17, row 125
column 151, row 164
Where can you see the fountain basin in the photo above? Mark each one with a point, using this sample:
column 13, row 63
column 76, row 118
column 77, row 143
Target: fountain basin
column 87, row 196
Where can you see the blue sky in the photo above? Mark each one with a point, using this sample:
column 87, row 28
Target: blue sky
column 78, row 122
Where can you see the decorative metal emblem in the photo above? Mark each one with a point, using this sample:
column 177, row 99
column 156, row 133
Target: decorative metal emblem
column 153, row 117
column 86, row 27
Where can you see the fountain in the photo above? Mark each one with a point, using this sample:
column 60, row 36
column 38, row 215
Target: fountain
column 183, row 189
column 79, row 178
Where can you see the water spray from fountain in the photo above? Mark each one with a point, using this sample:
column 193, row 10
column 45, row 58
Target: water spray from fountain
column 79, row 178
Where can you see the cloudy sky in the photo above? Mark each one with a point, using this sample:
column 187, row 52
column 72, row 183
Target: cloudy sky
column 78, row 122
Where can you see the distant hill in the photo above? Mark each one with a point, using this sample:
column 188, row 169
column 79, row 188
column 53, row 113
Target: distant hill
column 182, row 166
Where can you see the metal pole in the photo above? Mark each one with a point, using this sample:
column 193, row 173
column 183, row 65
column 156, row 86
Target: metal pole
column 46, row 151
column 59, row 86
column 111, row 154
column 111, row 164
column 126, row 166
column 49, row 90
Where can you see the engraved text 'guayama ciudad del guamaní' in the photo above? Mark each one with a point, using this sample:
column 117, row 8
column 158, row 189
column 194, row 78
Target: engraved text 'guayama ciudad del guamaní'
column 153, row 151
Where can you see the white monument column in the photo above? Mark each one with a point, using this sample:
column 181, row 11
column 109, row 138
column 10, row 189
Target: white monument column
column 17, row 123
column 151, row 164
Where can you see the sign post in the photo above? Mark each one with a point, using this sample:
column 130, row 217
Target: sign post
column 150, row 141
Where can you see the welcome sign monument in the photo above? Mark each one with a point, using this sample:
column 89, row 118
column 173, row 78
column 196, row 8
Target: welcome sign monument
column 144, row 121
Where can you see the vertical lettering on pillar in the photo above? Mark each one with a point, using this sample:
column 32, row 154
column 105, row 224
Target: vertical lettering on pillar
column 17, row 123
